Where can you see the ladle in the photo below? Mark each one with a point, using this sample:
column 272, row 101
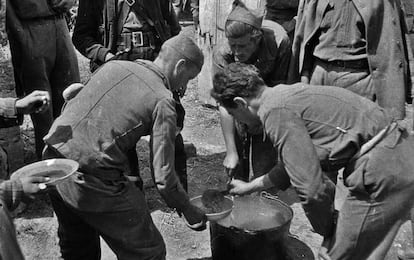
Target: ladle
column 213, row 198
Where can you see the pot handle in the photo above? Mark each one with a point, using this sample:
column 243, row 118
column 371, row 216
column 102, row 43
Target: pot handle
column 267, row 195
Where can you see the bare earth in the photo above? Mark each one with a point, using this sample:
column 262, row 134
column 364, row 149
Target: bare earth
column 36, row 227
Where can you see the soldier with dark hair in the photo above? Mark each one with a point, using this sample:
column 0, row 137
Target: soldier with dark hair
column 317, row 129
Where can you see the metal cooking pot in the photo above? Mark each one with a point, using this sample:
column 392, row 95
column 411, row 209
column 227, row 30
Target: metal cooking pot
column 253, row 230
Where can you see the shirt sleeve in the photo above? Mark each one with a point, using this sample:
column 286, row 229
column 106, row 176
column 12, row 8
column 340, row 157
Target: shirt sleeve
column 297, row 153
column 11, row 192
column 163, row 154
column 8, row 113
column 88, row 30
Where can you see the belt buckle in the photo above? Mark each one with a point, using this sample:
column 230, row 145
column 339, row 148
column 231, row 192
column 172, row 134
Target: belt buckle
column 130, row 2
column 137, row 39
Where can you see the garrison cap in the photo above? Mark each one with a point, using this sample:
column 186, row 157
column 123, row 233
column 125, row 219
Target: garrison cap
column 241, row 13
column 186, row 47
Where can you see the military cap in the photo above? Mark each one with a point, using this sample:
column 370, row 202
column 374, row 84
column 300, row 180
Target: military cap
column 241, row 13
column 186, row 47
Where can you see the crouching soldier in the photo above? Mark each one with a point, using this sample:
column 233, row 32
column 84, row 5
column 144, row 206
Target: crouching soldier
column 266, row 46
column 321, row 128
column 122, row 101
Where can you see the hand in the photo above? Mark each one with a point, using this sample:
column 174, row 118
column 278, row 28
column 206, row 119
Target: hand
column 71, row 91
column 230, row 162
column 36, row 102
column 33, row 184
column 109, row 56
column 195, row 218
column 62, row 5
column 238, row 187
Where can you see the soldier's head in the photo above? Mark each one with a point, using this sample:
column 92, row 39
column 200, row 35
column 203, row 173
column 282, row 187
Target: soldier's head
column 236, row 88
column 181, row 60
column 243, row 31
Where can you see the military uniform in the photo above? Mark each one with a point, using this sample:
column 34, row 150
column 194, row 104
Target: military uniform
column 272, row 59
column 122, row 102
column 329, row 129
column 43, row 56
column 283, row 12
column 346, row 44
column 10, row 191
column 130, row 31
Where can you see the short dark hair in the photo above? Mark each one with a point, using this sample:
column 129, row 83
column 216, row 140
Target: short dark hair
column 236, row 80
column 236, row 29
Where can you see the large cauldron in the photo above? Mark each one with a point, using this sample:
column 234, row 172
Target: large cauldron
column 255, row 230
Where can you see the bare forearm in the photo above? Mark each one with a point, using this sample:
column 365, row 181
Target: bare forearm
column 227, row 126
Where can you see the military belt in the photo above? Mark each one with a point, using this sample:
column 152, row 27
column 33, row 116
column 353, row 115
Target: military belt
column 351, row 64
column 129, row 41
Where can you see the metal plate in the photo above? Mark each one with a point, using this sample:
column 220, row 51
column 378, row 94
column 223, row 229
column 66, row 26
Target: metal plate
column 56, row 169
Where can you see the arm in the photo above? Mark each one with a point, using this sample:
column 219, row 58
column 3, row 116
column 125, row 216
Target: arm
column 11, row 193
column 163, row 150
column 86, row 35
column 298, row 155
column 162, row 158
column 172, row 20
column 227, row 125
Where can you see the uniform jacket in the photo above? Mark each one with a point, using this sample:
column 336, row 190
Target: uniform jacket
column 122, row 102
column 10, row 195
column 316, row 129
column 95, row 33
column 273, row 55
column 386, row 47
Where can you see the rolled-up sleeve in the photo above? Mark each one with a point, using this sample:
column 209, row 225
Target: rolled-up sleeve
column 162, row 155
column 11, row 192
column 298, row 155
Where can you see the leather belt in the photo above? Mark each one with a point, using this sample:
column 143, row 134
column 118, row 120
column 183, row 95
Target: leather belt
column 128, row 41
column 351, row 64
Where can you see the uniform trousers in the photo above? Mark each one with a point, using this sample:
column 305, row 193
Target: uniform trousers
column 87, row 207
column 357, row 80
column 44, row 58
column 381, row 188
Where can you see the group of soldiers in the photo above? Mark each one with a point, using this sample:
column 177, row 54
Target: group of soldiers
column 346, row 63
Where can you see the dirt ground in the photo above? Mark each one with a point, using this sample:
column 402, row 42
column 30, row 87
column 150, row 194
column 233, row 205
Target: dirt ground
column 36, row 227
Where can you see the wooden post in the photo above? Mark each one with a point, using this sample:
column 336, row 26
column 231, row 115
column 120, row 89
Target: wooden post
column 213, row 15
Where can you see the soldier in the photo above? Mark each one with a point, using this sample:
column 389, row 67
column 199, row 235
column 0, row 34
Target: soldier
column 12, row 191
column 323, row 128
column 283, row 12
column 122, row 101
column 347, row 44
column 267, row 46
column 43, row 56
column 129, row 30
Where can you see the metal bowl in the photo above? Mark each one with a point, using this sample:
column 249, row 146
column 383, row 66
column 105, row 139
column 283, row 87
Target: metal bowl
column 56, row 169
column 227, row 206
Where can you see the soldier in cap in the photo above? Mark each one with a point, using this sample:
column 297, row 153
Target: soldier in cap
column 267, row 46
column 123, row 101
